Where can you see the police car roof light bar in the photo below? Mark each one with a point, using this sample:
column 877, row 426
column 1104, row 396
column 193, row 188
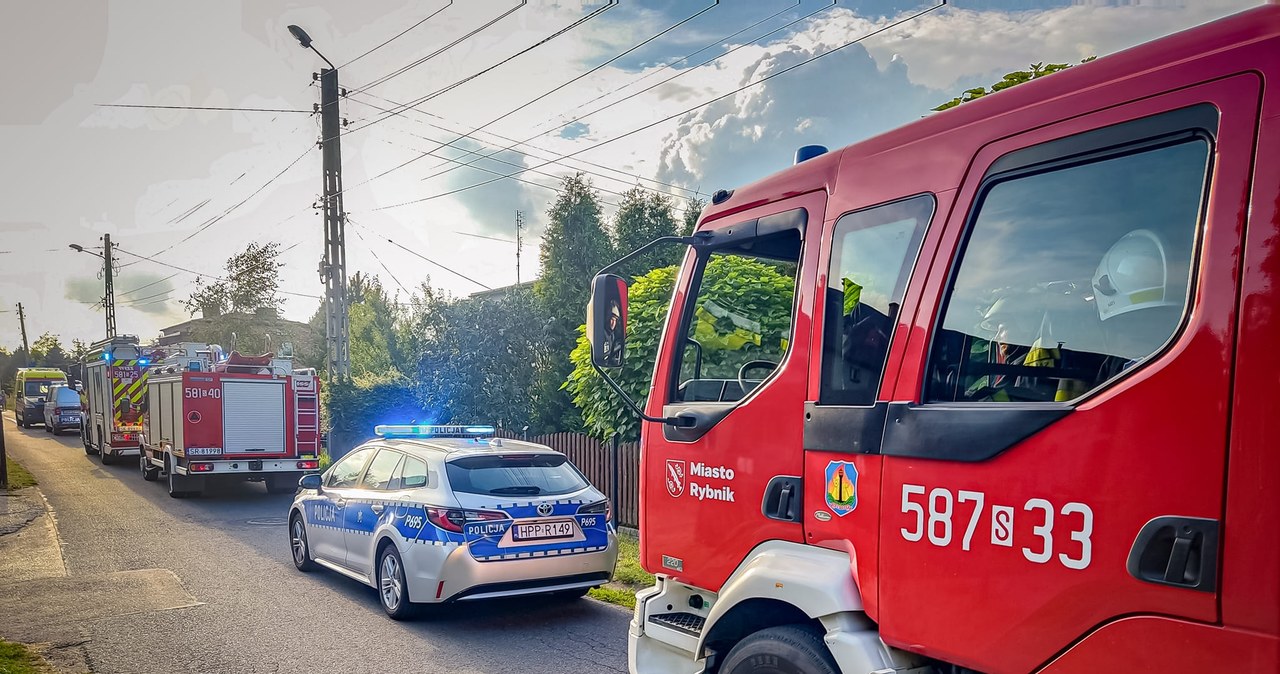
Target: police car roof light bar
column 433, row 431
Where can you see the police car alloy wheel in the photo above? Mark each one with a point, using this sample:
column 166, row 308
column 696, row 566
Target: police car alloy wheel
column 392, row 592
column 298, row 544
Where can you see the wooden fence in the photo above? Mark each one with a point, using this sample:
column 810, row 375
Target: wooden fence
column 612, row 466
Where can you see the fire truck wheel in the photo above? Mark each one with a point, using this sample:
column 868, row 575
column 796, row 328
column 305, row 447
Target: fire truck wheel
column 174, row 492
column 790, row 649
column 106, row 457
column 298, row 544
column 149, row 472
column 393, row 592
column 282, row 484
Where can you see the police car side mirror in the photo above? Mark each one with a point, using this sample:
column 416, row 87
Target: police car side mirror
column 607, row 320
column 311, row 481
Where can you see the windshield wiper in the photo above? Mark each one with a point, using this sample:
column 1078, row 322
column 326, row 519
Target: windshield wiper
column 530, row 490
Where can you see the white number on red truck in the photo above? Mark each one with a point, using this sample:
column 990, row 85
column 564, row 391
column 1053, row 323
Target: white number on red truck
column 932, row 512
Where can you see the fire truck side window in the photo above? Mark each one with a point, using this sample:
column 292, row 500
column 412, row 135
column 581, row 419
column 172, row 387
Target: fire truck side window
column 1071, row 276
column 872, row 252
column 739, row 325
column 380, row 470
column 347, row 471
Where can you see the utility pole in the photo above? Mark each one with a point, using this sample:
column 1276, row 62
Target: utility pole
column 22, row 323
column 334, row 267
column 519, row 228
column 109, row 300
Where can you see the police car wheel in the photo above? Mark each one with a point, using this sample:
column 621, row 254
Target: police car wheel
column 790, row 649
column 572, row 595
column 393, row 592
column 298, row 544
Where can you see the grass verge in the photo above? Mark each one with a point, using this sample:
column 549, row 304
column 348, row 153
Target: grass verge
column 18, row 478
column 628, row 575
column 19, row 659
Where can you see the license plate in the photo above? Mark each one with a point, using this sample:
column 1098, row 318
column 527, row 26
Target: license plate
column 537, row 531
column 204, row 451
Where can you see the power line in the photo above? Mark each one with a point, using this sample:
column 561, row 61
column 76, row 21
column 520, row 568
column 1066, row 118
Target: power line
column 650, row 125
column 214, row 220
column 129, row 292
column 647, row 89
column 594, row 69
column 480, row 168
column 419, row 255
column 212, row 276
column 404, row 69
column 593, row 14
column 375, row 255
column 396, row 36
column 198, row 107
column 434, row 153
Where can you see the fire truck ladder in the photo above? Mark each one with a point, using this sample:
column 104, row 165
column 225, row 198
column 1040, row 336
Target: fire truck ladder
column 306, row 420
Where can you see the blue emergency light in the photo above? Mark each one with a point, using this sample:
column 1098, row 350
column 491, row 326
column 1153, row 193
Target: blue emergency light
column 432, row 431
column 106, row 355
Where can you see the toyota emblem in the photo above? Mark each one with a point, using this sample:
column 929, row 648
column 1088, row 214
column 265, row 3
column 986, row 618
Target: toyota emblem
column 545, row 509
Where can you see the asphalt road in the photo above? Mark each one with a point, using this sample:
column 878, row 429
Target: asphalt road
column 253, row 612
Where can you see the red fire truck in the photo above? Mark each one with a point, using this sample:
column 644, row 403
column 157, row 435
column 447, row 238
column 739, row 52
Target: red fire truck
column 115, row 371
column 1018, row 410
column 214, row 417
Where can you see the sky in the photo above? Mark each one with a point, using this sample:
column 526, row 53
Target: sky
column 633, row 93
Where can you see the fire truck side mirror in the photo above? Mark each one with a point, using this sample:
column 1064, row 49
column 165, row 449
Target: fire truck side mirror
column 607, row 320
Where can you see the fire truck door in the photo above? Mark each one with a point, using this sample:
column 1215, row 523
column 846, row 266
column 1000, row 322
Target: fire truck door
column 735, row 363
column 1058, row 459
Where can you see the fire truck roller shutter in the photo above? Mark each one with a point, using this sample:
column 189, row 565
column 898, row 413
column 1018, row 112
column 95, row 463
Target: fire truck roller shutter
column 253, row 417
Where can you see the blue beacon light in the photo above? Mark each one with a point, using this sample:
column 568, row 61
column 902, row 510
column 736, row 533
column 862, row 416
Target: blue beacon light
column 432, row 431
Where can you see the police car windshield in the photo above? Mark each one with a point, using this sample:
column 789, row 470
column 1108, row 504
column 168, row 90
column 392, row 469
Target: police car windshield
column 524, row 475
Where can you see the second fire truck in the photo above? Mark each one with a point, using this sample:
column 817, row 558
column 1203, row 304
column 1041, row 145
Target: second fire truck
column 214, row 417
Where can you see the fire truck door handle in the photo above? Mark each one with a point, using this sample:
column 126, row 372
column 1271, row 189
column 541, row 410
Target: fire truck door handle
column 781, row 499
column 377, row 508
column 1177, row 551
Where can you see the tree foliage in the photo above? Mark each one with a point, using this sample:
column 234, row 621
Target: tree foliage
column 47, row 351
column 374, row 326
column 692, row 211
column 758, row 288
column 642, row 217
column 252, row 282
column 1036, row 71
column 574, row 246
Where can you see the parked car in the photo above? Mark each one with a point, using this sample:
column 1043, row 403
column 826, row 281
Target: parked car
column 431, row 514
column 62, row 409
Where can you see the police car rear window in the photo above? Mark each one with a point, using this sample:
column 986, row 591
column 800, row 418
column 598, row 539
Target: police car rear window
column 518, row 475
column 67, row 396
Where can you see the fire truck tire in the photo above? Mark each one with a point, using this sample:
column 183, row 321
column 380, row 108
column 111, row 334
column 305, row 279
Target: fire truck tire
column 298, row 544
column 174, row 491
column 789, row 649
column 149, row 472
column 105, row 455
column 393, row 591
column 282, row 484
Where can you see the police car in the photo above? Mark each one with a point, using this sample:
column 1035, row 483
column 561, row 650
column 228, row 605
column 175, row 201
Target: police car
column 433, row 514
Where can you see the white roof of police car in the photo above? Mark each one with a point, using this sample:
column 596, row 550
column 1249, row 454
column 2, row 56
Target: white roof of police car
column 452, row 448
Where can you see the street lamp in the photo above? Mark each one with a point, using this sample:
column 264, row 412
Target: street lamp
column 305, row 41
column 109, row 301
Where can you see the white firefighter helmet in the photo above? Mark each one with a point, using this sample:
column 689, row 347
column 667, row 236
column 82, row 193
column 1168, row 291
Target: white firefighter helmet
column 615, row 311
column 1133, row 275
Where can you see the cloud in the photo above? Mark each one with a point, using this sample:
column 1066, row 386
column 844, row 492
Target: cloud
column 141, row 291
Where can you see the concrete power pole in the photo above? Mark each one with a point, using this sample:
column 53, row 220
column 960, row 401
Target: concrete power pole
column 22, row 323
column 334, row 268
column 109, row 300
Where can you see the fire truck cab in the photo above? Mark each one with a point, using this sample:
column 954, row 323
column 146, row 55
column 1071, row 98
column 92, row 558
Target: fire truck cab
column 995, row 391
